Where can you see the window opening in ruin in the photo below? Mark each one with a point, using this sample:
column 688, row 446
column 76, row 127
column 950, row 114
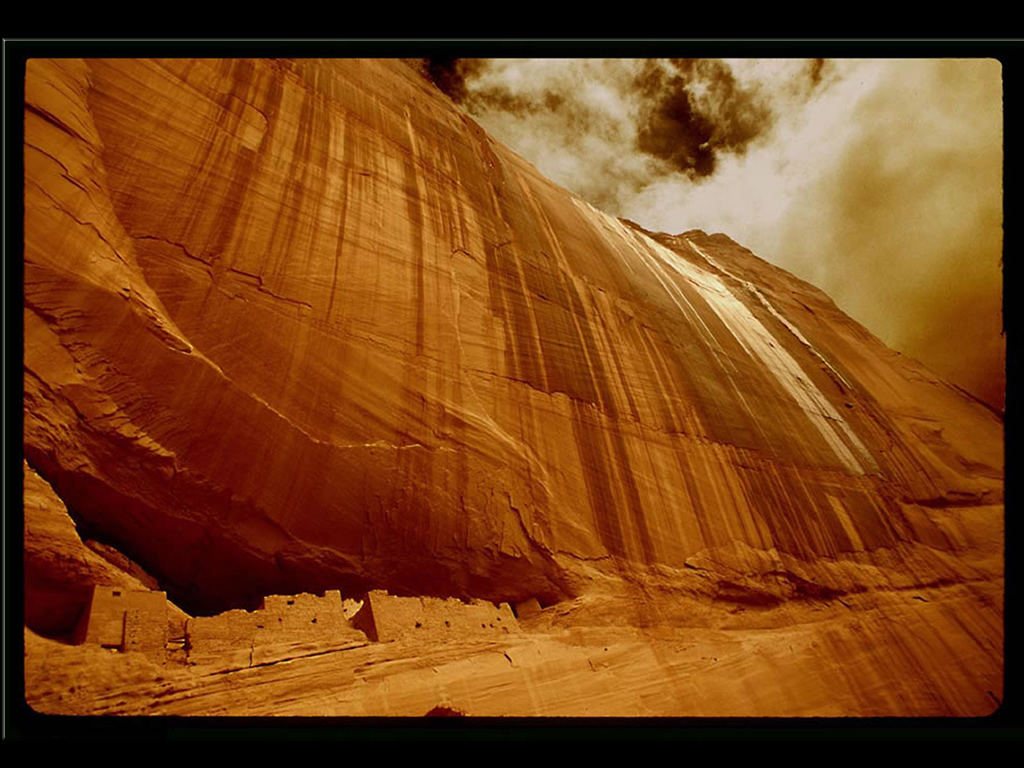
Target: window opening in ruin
column 117, row 594
column 418, row 625
column 291, row 602
column 313, row 621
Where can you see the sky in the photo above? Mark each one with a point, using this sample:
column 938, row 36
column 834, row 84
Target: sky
column 879, row 181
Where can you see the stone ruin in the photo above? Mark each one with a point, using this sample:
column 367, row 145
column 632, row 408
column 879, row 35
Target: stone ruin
column 126, row 620
column 385, row 617
column 284, row 625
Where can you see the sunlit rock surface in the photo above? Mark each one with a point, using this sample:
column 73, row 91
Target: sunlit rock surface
column 304, row 326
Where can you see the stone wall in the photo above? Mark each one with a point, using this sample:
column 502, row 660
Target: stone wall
column 385, row 617
column 128, row 620
column 242, row 637
column 131, row 620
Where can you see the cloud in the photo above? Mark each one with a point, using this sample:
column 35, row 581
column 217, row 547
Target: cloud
column 819, row 71
column 878, row 181
column 693, row 110
column 573, row 119
column 906, row 221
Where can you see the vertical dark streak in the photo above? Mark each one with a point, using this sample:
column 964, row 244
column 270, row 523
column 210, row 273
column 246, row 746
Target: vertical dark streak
column 412, row 204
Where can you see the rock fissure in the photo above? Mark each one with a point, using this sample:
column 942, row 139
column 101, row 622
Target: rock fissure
column 56, row 205
column 56, row 121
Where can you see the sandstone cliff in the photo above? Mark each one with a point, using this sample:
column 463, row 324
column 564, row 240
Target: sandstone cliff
column 299, row 326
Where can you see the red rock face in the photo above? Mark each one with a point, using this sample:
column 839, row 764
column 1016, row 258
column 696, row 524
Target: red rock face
column 296, row 326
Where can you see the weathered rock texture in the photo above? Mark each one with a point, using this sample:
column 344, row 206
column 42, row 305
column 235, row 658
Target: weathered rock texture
column 296, row 326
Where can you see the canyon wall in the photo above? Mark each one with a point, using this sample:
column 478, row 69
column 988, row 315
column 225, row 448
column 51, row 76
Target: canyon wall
column 303, row 325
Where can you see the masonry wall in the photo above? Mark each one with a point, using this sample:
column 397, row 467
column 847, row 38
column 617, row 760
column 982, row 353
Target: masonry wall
column 137, row 621
column 241, row 637
column 129, row 620
column 385, row 618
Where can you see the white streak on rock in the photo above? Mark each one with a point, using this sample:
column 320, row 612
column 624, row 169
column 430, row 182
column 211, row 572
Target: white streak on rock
column 748, row 330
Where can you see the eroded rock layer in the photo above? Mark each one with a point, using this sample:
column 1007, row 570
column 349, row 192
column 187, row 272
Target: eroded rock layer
column 296, row 326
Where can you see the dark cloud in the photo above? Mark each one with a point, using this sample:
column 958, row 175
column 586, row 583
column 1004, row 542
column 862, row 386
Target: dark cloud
column 815, row 76
column 817, row 69
column 638, row 120
column 553, row 101
column 694, row 110
column 452, row 74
